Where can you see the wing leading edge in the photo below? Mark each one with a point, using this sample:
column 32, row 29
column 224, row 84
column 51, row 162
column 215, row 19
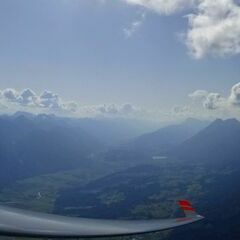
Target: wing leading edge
column 17, row 222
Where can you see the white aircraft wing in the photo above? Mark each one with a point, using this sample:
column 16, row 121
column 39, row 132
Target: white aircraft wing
column 17, row 222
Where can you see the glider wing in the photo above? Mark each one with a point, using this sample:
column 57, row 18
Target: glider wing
column 17, row 222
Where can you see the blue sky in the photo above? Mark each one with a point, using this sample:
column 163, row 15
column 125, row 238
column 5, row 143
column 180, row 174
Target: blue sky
column 79, row 51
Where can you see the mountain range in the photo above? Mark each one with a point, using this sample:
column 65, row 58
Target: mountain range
column 166, row 138
column 204, row 168
column 31, row 145
column 201, row 163
column 218, row 144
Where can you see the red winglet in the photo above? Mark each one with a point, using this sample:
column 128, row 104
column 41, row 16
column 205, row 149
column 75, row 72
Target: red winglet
column 184, row 203
column 187, row 207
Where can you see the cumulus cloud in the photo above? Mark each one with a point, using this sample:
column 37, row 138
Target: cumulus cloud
column 214, row 29
column 50, row 102
column 234, row 98
column 198, row 95
column 114, row 109
column 213, row 26
column 108, row 109
column 213, row 101
column 27, row 97
column 10, row 94
column 29, row 100
column 72, row 106
column 208, row 100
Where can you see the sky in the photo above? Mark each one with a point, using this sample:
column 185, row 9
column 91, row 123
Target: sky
column 153, row 59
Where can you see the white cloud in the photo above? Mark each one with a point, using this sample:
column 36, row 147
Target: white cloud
column 198, row 95
column 210, row 101
column 135, row 25
column 28, row 100
column 214, row 29
column 107, row 109
column 234, row 98
column 213, row 25
column 27, row 97
column 128, row 108
column 163, row 6
column 50, row 102
column 213, row 101
column 182, row 112
column 72, row 106
column 10, row 94
column 116, row 110
column 217, row 105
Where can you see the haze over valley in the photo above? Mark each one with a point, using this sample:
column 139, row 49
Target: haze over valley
column 55, row 164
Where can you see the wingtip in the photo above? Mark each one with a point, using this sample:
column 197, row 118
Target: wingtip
column 187, row 207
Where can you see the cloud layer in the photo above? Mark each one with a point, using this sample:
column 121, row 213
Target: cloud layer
column 214, row 101
column 28, row 99
column 113, row 109
column 50, row 102
column 204, row 105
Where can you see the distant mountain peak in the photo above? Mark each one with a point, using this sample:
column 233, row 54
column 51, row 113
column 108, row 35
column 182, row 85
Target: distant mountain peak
column 46, row 116
column 164, row 139
column 232, row 120
column 218, row 143
column 23, row 114
column 227, row 122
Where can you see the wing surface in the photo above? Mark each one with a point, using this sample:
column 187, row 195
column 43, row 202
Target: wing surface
column 17, row 222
